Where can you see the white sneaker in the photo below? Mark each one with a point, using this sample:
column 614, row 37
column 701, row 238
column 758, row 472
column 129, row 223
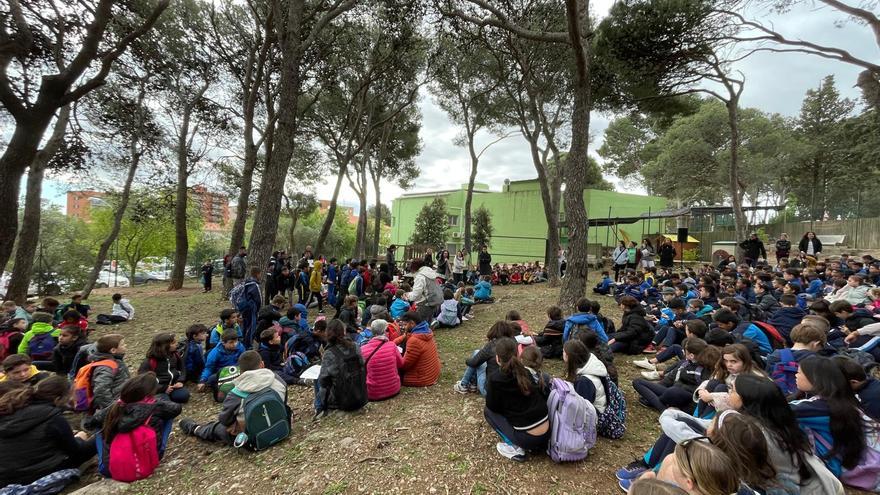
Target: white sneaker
column 651, row 375
column 470, row 316
column 645, row 364
column 511, row 452
column 464, row 318
column 458, row 387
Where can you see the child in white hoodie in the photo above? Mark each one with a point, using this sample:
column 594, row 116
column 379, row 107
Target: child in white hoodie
column 586, row 372
column 254, row 378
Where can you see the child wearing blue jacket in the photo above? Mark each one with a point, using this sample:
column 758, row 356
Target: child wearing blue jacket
column 221, row 356
column 583, row 319
column 400, row 304
column 605, row 285
column 728, row 321
column 194, row 353
column 483, row 290
column 229, row 319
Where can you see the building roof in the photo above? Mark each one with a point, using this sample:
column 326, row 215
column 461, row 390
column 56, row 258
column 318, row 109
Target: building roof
column 678, row 212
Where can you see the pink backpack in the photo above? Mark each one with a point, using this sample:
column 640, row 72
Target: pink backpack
column 134, row 455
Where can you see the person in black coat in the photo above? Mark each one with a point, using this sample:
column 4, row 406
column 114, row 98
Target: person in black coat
column 810, row 245
column 207, row 274
column 36, row 438
column 485, row 261
column 667, row 254
column 635, row 332
column 754, row 249
column 783, row 247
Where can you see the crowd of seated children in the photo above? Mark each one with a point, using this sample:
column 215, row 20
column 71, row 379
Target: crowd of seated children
column 517, row 274
column 482, row 362
column 221, row 356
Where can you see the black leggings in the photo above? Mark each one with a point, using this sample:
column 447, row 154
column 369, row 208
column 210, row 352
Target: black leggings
column 660, row 396
column 513, row 436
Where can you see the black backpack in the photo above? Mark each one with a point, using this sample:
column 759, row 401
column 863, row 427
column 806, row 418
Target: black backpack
column 349, row 389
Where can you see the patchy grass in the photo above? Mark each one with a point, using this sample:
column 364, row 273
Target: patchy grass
column 428, row 440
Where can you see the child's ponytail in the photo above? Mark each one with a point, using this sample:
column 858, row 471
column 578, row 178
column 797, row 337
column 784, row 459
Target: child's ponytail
column 136, row 389
column 505, row 349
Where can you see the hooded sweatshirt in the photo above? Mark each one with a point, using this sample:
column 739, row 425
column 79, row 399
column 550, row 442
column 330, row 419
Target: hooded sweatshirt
column 589, row 383
column 316, row 277
column 250, row 382
column 424, row 276
column 584, row 319
column 36, row 441
column 37, row 328
column 785, row 319
column 399, row 307
column 449, row 313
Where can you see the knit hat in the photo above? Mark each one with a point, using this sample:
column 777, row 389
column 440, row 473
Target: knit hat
column 378, row 327
column 377, row 311
column 668, row 290
column 41, row 317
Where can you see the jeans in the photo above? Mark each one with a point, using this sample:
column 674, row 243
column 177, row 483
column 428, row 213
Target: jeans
column 660, row 396
column 475, row 375
column 670, row 352
column 319, row 406
column 511, row 436
column 463, row 309
column 178, row 395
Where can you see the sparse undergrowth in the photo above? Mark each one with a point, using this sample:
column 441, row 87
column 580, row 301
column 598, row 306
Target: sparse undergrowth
column 429, row 440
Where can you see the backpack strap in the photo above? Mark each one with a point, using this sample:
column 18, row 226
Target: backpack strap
column 374, row 352
column 239, row 393
column 786, row 356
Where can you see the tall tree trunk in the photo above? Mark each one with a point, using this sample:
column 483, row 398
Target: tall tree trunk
column 19, row 154
column 244, row 195
column 181, row 239
column 575, row 282
column 331, row 211
column 551, row 210
column 377, row 224
column 29, row 236
column 469, row 196
column 740, row 222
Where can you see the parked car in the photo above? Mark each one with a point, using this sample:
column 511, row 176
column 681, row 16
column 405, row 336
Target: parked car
column 145, row 278
column 108, row 278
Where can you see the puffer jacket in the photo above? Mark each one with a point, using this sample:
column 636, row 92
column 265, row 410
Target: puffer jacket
column 29, row 451
column 589, row 383
column 383, row 379
column 107, row 382
column 421, row 362
column 635, row 331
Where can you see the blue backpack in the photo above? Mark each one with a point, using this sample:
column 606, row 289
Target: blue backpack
column 784, row 372
column 40, row 346
column 296, row 363
column 612, row 421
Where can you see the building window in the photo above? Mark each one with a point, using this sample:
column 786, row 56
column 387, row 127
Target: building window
column 453, row 220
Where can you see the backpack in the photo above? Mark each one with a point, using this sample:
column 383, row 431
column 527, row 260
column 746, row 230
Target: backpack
column 612, row 422
column 134, row 455
column 433, row 292
column 783, row 373
column 225, row 380
column 353, row 285
column 40, row 346
column 777, row 341
column 350, row 387
column 572, row 423
column 6, row 343
column 865, row 359
column 266, row 418
column 866, row 475
column 83, row 391
column 237, row 269
column 295, row 364
column 236, row 295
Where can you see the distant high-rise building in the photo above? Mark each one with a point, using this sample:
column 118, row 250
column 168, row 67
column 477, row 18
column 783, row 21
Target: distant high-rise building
column 80, row 203
column 324, row 205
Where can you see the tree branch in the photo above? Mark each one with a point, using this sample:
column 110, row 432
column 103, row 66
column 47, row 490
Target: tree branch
column 500, row 20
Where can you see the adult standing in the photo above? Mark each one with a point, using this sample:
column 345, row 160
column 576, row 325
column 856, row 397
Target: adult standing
column 248, row 306
column 485, row 261
column 390, row 261
column 428, row 260
column 810, row 247
column 618, row 259
column 563, row 263
column 667, row 254
column 647, row 253
column 271, row 289
column 443, row 268
column 754, row 249
column 227, row 273
column 307, row 258
column 783, row 247
column 458, row 266
column 632, row 255
column 207, row 275
column 238, row 266
column 423, row 275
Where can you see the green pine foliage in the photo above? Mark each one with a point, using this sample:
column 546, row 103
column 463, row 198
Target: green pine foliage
column 482, row 225
column 432, row 226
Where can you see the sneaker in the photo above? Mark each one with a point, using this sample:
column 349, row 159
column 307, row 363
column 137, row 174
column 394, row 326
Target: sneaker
column 651, row 375
column 624, row 485
column 470, row 316
column 645, row 364
column 464, row 318
column 188, row 425
column 650, row 349
column 458, row 387
column 435, row 324
column 632, row 470
column 511, row 452
column 472, row 388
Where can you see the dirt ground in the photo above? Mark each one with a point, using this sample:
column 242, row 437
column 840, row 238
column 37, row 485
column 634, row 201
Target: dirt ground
column 429, row 440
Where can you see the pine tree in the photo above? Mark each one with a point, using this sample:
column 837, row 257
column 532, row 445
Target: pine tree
column 432, row 226
column 482, row 227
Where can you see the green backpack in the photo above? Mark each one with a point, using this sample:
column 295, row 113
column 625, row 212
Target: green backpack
column 266, row 418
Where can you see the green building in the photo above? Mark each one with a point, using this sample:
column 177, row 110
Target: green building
column 520, row 229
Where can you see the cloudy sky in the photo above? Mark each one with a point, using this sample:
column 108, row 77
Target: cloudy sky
column 774, row 83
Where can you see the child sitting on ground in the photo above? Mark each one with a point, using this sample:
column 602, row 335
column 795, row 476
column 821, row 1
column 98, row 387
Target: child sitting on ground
column 483, row 291
column 164, row 360
column 481, row 364
column 400, row 305
column 223, row 355
column 69, row 341
column 679, row 383
column 270, row 349
column 230, row 319
column 122, row 312
column 448, row 317
column 72, row 318
column 605, row 286
column 19, row 368
column 135, row 407
column 108, row 378
column 194, row 355
column 11, row 333
column 514, row 317
column 254, row 379
column 465, row 303
column 549, row 341
column 349, row 315
column 39, row 342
